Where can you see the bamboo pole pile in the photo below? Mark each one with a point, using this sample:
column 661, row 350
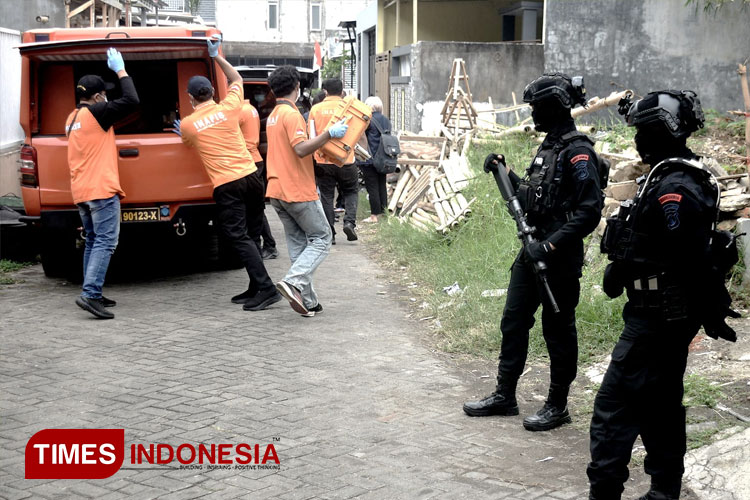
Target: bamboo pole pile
column 427, row 193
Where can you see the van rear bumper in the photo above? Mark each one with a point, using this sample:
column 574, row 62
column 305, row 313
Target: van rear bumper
column 196, row 215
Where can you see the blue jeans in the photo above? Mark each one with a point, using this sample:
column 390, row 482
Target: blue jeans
column 308, row 239
column 101, row 224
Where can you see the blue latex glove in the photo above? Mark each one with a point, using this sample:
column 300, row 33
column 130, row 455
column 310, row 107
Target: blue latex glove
column 338, row 130
column 213, row 45
column 114, row 60
column 177, row 124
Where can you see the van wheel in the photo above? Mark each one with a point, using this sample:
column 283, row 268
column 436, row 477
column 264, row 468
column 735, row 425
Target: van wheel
column 59, row 255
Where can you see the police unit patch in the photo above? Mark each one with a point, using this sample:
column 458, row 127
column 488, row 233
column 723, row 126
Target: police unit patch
column 581, row 164
column 672, row 215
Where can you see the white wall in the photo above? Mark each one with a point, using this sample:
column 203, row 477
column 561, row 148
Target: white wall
column 246, row 20
column 10, row 88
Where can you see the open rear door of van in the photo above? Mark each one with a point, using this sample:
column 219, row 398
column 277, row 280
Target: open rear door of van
column 156, row 168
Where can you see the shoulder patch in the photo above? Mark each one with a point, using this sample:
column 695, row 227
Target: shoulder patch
column 670, row 197
column 672, row 215
column 577, row 158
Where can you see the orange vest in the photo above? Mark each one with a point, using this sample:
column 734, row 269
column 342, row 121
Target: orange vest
column 290, row 178
column 92, row 158
column 250, row 127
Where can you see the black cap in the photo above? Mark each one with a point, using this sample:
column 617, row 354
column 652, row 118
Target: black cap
column 89, row 85
column 199, row 86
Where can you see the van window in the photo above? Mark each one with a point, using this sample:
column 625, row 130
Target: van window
column 156, row 81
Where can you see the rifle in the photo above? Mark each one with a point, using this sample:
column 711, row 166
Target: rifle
column 525, row 232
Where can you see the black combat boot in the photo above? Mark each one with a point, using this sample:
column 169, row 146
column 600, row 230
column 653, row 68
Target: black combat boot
column 501, row 402
column 662, row 489
column 553, row 414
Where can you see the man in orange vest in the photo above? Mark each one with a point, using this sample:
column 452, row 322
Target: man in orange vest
column 329, row 175
column 250, row 127
column 291, row 187
column 94, row 177
column 214, row 130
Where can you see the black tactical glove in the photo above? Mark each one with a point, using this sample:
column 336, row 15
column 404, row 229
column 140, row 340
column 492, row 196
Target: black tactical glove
column 614, row 282
column 539, row 250
column 716, row 327
column 492, row 162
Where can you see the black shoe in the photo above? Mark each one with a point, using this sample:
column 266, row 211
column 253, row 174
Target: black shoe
column 312, row 311
column 656, row 495
column 262, row 300
column 333, row 239
column 350, row 231
column 108, row 302
column 547, row 418
column 269, row 253
column 94, row 306
column 495, row 404
column 245, row 296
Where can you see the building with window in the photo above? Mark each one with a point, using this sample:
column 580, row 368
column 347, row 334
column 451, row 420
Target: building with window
column 260, row 32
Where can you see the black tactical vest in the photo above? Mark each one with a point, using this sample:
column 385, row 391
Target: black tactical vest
column 539, row 191
column 623, row 239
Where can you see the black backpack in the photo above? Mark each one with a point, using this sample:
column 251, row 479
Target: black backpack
column 385, row 158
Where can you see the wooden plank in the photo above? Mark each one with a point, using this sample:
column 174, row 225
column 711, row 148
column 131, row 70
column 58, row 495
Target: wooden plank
column 79, row 9
column 417, row 161
column 421, row 138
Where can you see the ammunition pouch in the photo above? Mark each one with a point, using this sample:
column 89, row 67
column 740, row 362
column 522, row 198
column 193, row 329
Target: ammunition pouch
column 619, row 239
column 658, row 296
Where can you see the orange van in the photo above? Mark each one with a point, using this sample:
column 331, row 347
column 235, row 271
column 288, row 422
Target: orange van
column 166, row 186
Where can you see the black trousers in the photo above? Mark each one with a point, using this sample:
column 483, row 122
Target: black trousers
column 327, row 177
column 376, row 189
column 265, row 232
column 240, row 205
column 641, row 394
column 525, row 294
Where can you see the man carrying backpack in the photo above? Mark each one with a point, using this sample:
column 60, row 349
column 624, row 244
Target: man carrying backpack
column 375, row 176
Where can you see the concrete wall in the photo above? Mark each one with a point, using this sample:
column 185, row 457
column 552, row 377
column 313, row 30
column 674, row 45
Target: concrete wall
column 648, row 45
column 494, row 69
column 21, row 15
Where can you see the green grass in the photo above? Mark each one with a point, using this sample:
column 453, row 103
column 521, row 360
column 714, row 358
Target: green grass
column 478, row 255
column 9, row 266
column 700, row 392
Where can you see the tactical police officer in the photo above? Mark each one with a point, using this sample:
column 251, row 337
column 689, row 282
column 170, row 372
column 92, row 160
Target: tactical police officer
column 667, row 255
column 561, row 195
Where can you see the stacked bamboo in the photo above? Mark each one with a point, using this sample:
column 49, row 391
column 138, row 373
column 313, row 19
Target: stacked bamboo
column 424, row 195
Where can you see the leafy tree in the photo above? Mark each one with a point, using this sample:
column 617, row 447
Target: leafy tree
column 332, row 67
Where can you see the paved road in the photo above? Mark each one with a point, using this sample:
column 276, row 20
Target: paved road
column 362, row 407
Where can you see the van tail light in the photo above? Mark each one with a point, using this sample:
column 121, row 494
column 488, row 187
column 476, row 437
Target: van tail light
column 29, row 170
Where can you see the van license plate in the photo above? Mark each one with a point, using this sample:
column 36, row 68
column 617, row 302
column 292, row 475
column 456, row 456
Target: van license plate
column 139, row 215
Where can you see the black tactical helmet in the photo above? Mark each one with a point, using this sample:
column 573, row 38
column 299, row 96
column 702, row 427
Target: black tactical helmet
column 678, row 112
column 569, row 92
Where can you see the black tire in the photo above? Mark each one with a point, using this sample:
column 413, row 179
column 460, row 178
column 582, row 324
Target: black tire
column 60, row 254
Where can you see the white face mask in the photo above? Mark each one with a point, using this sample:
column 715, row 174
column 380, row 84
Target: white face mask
column 104, row 98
